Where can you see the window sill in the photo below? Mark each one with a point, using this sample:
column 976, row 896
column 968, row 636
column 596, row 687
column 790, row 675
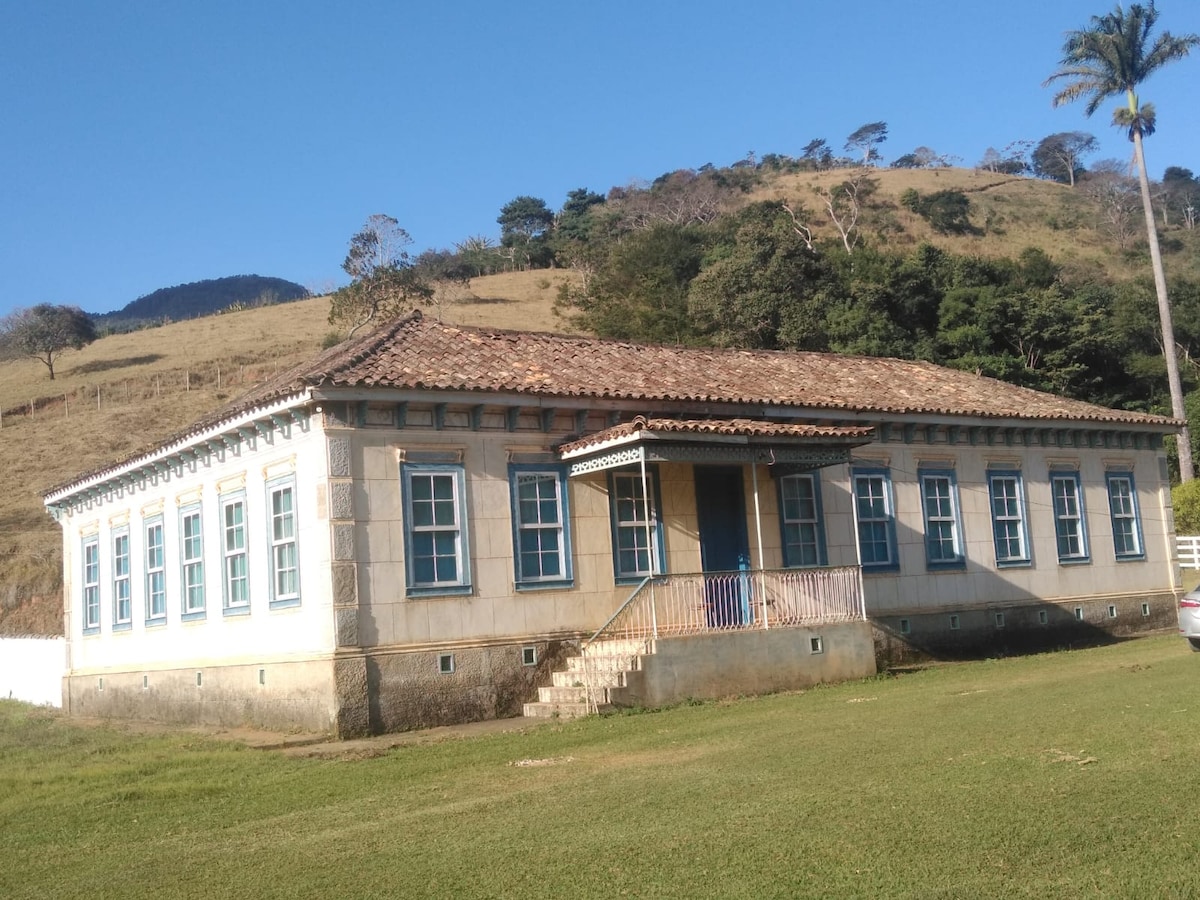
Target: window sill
column 157, row 622
column 420, row 593
column 1014, row 563
column 197, row 616
column 1132, row 557
column 559, row 585
column 89, row 632
column 959, row 565
column 286, row 603
column 122, row 626
column 1076, row 561
column 235, row 611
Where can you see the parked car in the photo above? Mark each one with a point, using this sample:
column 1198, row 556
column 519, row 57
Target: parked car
column 1189, row 617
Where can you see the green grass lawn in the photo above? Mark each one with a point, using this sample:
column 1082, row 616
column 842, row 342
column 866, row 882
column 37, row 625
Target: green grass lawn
column 1064, row 775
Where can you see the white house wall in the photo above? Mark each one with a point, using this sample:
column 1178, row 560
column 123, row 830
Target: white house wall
column 299, row 632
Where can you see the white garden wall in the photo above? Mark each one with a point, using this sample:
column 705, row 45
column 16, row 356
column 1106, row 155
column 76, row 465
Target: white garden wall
column 31, row 669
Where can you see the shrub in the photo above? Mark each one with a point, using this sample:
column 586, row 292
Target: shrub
column 1185, row 498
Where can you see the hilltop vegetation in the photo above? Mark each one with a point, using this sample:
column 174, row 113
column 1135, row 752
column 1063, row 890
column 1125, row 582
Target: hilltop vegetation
column 200, row 298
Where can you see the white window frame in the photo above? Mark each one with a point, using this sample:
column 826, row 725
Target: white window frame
column 794, row 519
column 191, row 563
column 156, row 571
column 880, row 519
column 425, row 518
column 283, row 526
column 552, row 535
column 942, row 517
column 1125, row 516
column 1008, row 514
column 122, row 599
column 90, row 579
column 627, row 512
column 235, row 556
column 1070, row 524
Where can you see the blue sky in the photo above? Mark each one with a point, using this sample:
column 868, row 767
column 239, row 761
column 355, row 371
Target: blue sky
column 150, row 144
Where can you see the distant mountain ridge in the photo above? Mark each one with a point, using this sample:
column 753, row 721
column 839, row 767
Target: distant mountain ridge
column 201, row 298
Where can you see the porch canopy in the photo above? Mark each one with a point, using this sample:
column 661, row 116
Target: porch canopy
column 792, row 446
column 785, row 446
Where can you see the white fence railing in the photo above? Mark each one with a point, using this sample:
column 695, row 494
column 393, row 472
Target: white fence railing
column 1188, row 549
column 31, row 669
column 673, row 605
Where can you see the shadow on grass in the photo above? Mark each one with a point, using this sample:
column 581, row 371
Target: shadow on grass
column 105, row 365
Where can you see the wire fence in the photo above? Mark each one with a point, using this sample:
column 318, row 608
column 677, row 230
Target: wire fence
column 100, row 395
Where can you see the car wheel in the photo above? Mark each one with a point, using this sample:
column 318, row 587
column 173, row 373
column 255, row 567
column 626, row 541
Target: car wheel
column 1195, row 644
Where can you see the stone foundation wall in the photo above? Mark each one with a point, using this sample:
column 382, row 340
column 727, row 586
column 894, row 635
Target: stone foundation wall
column 749, row 662
column 981, row 632
column 287, row 696
column 409, row 689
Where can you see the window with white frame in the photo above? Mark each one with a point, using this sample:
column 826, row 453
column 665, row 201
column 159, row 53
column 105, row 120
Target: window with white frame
column 1009, row 533
column 122, row 598
column 637, row 535
column 236, row 587
column 156, row 577
column 1123, row 510
column 876, row 521
column 540, row 525
column 191, row 555
column 939, row 505
column 91, row 584
column 435, row 540
column 1069, row 524
column 285, row 555
column 800, row 518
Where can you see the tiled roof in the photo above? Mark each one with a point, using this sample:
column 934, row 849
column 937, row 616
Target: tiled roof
column 748, row 428
column 415, row 353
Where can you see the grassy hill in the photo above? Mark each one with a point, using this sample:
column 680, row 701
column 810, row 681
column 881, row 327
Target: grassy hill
column 129, row 390
column 1011, row 213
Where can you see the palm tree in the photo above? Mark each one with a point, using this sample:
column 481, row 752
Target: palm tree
column 1111, row 58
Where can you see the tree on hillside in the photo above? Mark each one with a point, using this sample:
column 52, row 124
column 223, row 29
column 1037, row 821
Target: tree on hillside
column 1118, row 200
column 524, row 222
column 384, row 283
column 1059, row 156
column 866, row 140
column 1111, row 58
column 817, row 154
column 1182, row 190
column 44, row 332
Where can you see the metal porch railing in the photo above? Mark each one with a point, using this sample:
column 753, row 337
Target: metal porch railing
column 703, row 603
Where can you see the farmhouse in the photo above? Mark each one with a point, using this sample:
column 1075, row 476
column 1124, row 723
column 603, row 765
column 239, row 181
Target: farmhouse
column 426, row 525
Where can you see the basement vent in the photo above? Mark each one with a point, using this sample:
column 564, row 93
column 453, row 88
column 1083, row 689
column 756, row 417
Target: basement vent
column 905, row 626
column 446, row 663
column 1112, row 611
column 1079, row 613
column 262, row 676
column 954, row 623
column 999, row 620
column 816, row 644
column 145, row 682
column 199, row 679
column 1043, row 618
column 1145, row 609
column 529, row 656
column 100, row 684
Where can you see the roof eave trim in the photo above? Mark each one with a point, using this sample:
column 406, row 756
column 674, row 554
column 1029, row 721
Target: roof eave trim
column 165, row 451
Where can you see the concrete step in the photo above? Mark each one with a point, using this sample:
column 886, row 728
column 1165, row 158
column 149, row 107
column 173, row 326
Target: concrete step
column 540, row 710
column 571, row 694
column 624, row 663
column 571, row 678
column 626, row 647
